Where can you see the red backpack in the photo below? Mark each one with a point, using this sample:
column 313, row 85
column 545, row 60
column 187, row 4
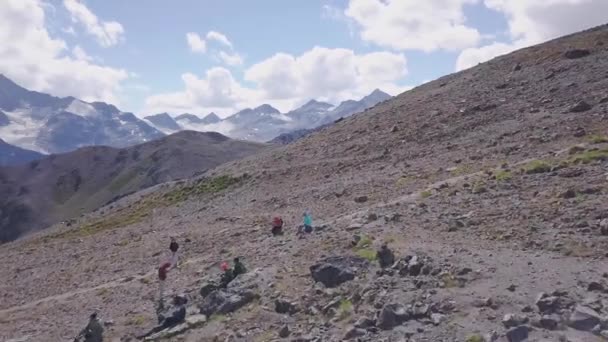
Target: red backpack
column 277, row 222
column 162, row 271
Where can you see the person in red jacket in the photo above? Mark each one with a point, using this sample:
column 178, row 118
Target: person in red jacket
column 162, row 276
column 277, row 226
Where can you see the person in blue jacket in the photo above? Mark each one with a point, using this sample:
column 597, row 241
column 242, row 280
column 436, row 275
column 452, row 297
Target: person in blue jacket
column 307, row 223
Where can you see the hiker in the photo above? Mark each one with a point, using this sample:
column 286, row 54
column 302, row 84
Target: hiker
column 307, row 222
column 227, row 276
column 386, row 258
column 173, row 247
column 238, row 268
column 93, row 332
column 177, row 316
column 277, row 226
column 162, row 276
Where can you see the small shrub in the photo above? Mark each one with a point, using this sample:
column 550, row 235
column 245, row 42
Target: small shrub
column 537, row 166
column 103, row 292
column 598, row 139
column 365, row 242
column 137, row 320
column 590, row 156
column 461, row 170
column 479, row 188
column 345, row 309
column 475, row 338
column 217, row 318
column 504, row 175
column 426, row 194
column 367, row 253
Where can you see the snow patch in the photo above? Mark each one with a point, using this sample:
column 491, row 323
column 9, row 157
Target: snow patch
column 22, row 130
column 81, row 108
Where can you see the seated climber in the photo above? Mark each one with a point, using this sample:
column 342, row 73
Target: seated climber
column 93, row 332
column 227, row 276
column 277, row 226
column 177, row 316
column 238, row 268
column 386, row 258
column 307, row 223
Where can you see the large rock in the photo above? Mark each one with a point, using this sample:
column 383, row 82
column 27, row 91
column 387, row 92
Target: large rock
column 514, row 320
column 285, row 307
column 392, row 315
column 192, row 322
column 226, row 301
column 518, row 334
column 556, row 303
column 336, row 270
column 583, row 318
column 354, row 333
column 577, row 53
column 208, row 289
column 580, row 107
column 550, row 322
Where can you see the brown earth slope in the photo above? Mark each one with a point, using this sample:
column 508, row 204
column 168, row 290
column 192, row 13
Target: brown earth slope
column 494, row 178
column 66, row 185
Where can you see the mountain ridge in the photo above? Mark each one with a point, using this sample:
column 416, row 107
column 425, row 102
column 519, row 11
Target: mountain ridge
column 63, row 186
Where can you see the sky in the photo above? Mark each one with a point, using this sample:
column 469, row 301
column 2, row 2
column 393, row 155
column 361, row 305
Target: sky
column 199, row 56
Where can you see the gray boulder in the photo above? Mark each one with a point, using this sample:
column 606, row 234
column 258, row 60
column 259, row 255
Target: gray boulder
column 223, row 301
column 518, row 334
column 583, row 318
column 285, row 307
column 392, row 315
column 336, row 270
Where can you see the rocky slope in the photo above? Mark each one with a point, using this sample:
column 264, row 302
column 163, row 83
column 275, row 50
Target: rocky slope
column 13, row 155
column 63, row 186
column 488, row 184
column 47, row 124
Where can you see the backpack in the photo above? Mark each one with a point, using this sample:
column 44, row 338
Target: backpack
column 162, row 271
column 277, row 222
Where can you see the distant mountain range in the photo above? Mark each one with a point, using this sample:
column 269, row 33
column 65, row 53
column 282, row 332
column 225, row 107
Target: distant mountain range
column 265, row 122
column 63, row 186
column 48, row 124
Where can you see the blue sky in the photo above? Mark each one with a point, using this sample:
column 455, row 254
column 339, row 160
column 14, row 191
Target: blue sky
column 137, row 54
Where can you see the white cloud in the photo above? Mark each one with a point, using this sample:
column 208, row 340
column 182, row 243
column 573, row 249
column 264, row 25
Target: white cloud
column 231, row 59
column 538, row 21
column 80, row 54
column 284, row 81
column 216, row 91
column 427, row 25
column 107, row 33
column 471, row 57
column 219, row 37
column 35, row 60
column 329, row 74
column 196, row 43
column 534, row 22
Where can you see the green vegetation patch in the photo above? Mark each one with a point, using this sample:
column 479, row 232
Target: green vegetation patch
column 598, row 139
column 503, row 175
column 367, row 253
column 345, row 309
column 589, row 156
column 142, row 209
column 426, row 194
column 121, row 181
column 537, row 166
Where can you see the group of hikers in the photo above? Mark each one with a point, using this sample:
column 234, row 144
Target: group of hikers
column 176, row 314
